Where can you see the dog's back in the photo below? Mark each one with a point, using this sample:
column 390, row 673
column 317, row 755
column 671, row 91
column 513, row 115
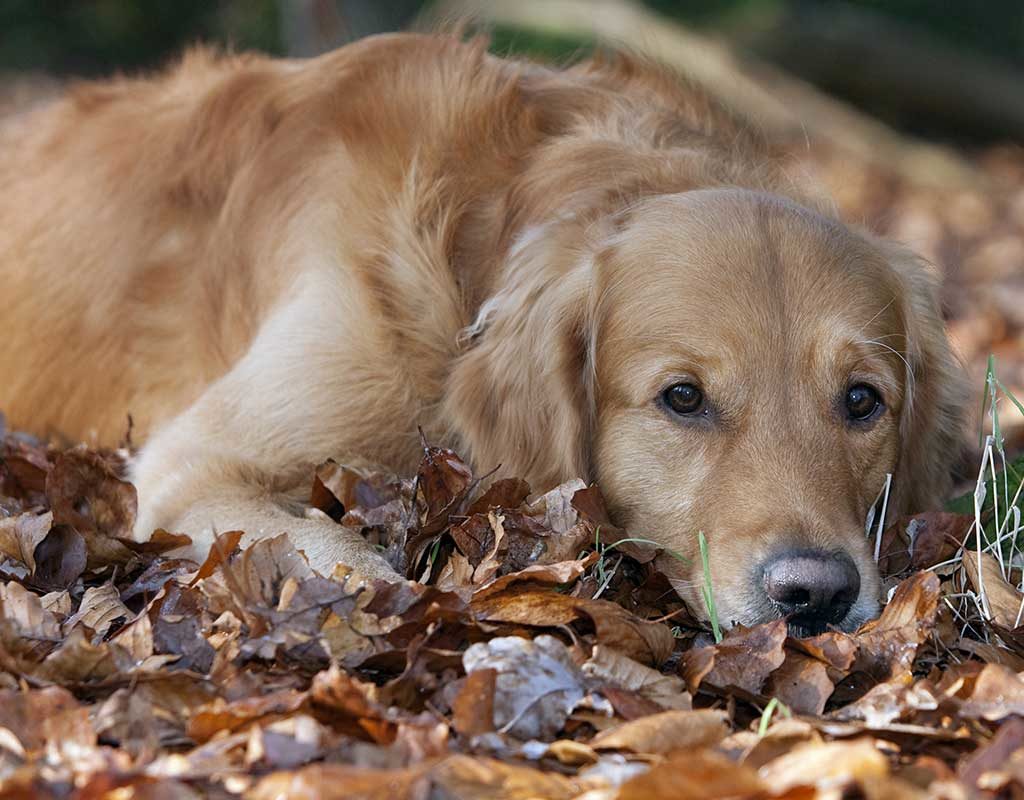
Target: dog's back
column 149, row 226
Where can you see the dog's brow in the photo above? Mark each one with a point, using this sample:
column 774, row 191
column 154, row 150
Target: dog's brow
column 881, row 311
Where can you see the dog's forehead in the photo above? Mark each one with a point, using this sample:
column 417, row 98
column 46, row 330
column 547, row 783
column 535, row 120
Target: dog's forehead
column 721, row 262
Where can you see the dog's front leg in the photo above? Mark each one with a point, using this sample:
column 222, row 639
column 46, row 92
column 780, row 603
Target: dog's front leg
column 242, row 456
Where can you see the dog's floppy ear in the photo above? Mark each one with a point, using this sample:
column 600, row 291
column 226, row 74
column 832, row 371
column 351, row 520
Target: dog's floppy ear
column 932, row 420
column 520, row 396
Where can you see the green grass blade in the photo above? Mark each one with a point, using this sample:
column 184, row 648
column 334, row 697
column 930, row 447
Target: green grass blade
column 708, row 592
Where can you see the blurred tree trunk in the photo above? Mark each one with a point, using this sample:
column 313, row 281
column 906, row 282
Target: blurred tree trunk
column 311, row 27
column 909, row 77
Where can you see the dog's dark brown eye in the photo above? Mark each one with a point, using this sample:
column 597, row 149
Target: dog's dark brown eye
column 684, row 398
column 862, row 401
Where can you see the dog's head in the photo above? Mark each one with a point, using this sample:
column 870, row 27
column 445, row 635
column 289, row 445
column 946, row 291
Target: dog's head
column 727, row 362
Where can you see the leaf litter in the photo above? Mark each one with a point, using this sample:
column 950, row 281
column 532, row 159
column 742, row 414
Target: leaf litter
column 518, row 665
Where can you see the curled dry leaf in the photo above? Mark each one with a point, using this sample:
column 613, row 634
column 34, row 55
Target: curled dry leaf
column 887, row 646
column 473, row 708
column 610, row 668
column 825, row 764
column 21, row 534
column 537, row 684
column 453, row 777
column 922, row 541
column 1003, row 601
column 23, row 613
column 231, row 716
column 61, row 558
column 699, row 775
column 85, row 492
column 743, row 659
column 562, row 572
column 665, row 732
column 1000, row 762
column 647, row 642
column 100, row 608
column 802, row 684
column 998, row 693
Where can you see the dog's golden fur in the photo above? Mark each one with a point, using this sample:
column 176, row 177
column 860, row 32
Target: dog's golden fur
column 271, row 262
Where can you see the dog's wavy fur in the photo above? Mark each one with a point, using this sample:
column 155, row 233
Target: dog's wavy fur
column 271, row 262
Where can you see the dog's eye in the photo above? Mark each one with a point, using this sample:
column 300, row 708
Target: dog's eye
column 862, row 401
column 684, row 398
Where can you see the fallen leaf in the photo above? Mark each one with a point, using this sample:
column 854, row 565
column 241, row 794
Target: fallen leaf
column 980, row 769
column 922, row 541
column 474, row 704
column 20, row 535
column 743, row 659
column 1004, row 602
column 537, row 684
column 42, row 716
column 85, row 493
column 647, row 642
column 61, row 558
column 220, row 715
column 609, row 667
column 887, row 645
column 664, row 732
column 998, row 693
column 825, row 764
column 801, row 683
column 100, row 608
column 698, row 775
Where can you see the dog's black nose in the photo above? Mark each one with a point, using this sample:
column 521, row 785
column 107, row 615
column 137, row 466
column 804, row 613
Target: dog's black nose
column 813, row 588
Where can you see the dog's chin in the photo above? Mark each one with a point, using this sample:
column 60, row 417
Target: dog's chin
column 863, row 610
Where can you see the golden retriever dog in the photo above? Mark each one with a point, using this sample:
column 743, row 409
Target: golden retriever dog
column 586, row 272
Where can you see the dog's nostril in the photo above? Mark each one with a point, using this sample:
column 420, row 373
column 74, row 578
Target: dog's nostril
column 795, row 597
column 815, row 587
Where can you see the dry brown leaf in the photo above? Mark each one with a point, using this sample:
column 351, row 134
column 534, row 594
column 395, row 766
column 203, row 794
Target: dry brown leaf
column 743, row 659
column 664, row 732
column 220, row 715
column 464, row 777
column 825, row 764
column 77, row 660
column 561, row 572
column 221, row 550
column 473, row 707
column 136, row 638
column 86, row 494
column 699, row 775
column 992, row 766
column 833, row 648
column 25, row 613
column 922, row 541
column 60, row 557
column 801, row 683
column 502, row 493
column 755, row 749
column 455, row 776
column 343, row 782
column 537, row 684
column 20, row 535
column 647, row 642
column 1003, row 600
column 887, row 645
column 100, row 608
column 610, row 667
column 43, row 716
column 998, row 692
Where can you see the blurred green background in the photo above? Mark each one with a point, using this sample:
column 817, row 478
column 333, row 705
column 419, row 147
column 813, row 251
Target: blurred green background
column 851, row 49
